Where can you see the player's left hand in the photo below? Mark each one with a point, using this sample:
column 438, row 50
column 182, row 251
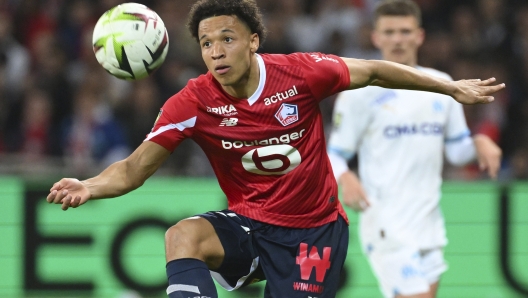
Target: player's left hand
column 69, row 192
column 488, row 154
column 475, row 91
column 354, row 196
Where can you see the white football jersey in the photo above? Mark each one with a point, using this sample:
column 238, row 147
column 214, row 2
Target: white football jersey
column 399, row 136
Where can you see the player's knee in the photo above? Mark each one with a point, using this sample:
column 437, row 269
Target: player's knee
column 182, row 234
column 189, row 238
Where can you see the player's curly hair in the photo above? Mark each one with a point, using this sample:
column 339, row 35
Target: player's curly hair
column 398, row 8
column 246, row 10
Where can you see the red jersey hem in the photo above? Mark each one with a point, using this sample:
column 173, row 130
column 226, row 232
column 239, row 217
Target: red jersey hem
column 290, row 221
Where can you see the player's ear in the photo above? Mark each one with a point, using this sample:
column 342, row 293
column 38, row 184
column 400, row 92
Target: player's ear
column 375, row 39
column 254, row 42
column 421, row 36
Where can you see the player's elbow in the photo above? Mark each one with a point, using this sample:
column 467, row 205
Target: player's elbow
column 362, row 72
column 130, row 177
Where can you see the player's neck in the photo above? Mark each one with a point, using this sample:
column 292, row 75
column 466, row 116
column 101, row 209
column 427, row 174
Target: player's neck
column 248, row 84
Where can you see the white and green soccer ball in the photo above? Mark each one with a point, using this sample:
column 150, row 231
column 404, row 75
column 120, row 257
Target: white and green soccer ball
column 130, row 41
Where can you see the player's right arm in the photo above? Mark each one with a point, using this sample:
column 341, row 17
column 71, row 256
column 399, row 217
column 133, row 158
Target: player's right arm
column 118, row 179
column 351, row 117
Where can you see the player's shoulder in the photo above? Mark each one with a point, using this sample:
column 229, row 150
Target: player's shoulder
column 297, row 58
column 203, row 84
column 200, row 82
column 435, row 72
column 272, row 60
column 193, row 91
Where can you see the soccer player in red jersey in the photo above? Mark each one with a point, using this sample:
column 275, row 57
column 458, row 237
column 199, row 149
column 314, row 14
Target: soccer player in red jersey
column 256, row 117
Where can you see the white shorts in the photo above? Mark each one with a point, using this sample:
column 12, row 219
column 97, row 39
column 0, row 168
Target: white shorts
column 407, row 271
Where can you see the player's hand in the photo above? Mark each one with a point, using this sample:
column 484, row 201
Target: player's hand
column 475, row 91
column 69, row 192
column 352, row 191
column 488, row 155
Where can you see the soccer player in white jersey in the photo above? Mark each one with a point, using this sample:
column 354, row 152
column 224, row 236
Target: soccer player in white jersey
column 400, row 137
column 257, row 119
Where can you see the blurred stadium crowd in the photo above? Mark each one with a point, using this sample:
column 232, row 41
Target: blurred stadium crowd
column 61, row 113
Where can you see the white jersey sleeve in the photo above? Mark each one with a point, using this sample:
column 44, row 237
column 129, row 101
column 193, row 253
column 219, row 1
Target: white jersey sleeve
column 459, row 146
column 456, row 128
column 350, row 119
column 461, row 152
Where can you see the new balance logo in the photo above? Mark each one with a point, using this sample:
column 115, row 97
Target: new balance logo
column 308, row 262
column 229, row 122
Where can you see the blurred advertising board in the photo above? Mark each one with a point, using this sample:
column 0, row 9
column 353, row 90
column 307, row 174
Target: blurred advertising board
column 114, row 248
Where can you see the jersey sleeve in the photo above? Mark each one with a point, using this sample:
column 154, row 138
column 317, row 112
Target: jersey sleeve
column 325, row 74
column 459, row 146
column 351, row 118
column 175, row 121
column 456, row 128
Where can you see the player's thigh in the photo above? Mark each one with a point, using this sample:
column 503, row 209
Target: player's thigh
column 240, row 265
column 433, row 265
column 407, row 272
column 194, row 237
column 303, row 262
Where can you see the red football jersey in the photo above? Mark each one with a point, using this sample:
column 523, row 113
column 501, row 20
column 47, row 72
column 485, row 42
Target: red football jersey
column 268, row 151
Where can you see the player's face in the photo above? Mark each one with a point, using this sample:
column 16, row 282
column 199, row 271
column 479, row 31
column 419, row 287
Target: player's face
column 398, row 38
column 227, row 49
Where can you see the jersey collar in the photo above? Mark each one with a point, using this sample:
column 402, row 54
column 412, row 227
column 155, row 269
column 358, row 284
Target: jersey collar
column 262, row 81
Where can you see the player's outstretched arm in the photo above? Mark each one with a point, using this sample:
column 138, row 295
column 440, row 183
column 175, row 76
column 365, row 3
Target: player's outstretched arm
column 118, row 179
column 489, row 154
column 398, row 76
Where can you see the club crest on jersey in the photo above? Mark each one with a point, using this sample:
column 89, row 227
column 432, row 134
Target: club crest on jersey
column 287, row 114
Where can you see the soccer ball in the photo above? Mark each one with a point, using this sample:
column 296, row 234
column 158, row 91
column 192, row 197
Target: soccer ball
column 130, row 41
